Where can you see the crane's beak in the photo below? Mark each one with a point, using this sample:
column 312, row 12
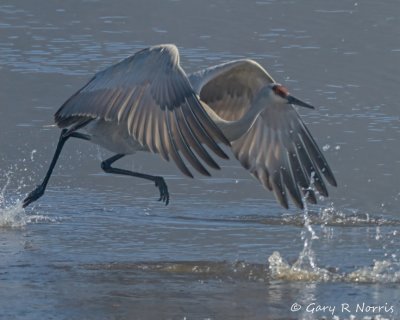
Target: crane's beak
column 297, row 102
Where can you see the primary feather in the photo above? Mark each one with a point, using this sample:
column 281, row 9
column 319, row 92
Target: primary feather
column 278, row 149
column 149, row 94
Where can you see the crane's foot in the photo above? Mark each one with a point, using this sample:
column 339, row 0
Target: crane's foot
column 33, row 196
column 162, row 186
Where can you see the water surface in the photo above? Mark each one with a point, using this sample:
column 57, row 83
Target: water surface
column 101, row 247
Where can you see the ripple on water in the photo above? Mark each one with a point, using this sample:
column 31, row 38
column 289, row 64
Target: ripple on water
column 277, row 268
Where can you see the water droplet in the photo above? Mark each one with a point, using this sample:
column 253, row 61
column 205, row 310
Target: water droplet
column 378, row 235
column 33, row 153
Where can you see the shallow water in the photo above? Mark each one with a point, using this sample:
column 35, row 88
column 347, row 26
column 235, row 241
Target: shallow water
column 100, row 247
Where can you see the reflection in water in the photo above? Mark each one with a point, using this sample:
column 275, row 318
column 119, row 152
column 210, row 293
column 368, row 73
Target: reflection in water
column 277, row 269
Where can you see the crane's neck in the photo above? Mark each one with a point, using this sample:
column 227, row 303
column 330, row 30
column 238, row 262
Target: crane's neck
column 233, row 130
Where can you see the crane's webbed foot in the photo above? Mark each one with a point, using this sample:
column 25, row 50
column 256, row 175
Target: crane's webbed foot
column 33, row 196
column 162, row 186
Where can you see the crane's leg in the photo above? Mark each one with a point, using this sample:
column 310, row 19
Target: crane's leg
column 159, row 181
column 39, row 191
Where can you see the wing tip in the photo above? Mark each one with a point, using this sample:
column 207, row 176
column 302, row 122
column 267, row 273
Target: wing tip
column 332, row 181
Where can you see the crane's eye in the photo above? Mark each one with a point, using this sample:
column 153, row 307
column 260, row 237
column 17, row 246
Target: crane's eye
column 280, row 90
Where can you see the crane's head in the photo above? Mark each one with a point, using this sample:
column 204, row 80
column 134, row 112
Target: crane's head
column 280, row 94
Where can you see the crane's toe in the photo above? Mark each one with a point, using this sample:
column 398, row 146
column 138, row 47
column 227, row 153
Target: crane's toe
column 162, row 186
column 33, row 196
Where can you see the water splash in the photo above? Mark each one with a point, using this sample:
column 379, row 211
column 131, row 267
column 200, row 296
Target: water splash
column 380, row 272
column 305, row 267
column 306, row 259
column 12, row 214
column 282, row 270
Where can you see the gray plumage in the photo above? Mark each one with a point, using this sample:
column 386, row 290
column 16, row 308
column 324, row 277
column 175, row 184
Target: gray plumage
column 149, row 95
column 146, row 102
column 278, row 149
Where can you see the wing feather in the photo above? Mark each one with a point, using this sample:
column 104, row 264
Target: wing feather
column 202, row 133
column 148, row 93
column 278, row 149
column 190, row 136
column 173, row 149
column 164, row 142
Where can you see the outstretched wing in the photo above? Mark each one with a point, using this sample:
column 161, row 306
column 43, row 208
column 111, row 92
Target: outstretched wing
column 150, row 94
column 281, row 153
column 278, row 149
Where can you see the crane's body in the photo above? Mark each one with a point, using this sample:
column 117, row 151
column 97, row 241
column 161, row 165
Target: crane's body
column 147, row 103
column 113, row 137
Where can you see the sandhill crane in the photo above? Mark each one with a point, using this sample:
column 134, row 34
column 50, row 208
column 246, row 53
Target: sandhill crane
column 146, row 102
